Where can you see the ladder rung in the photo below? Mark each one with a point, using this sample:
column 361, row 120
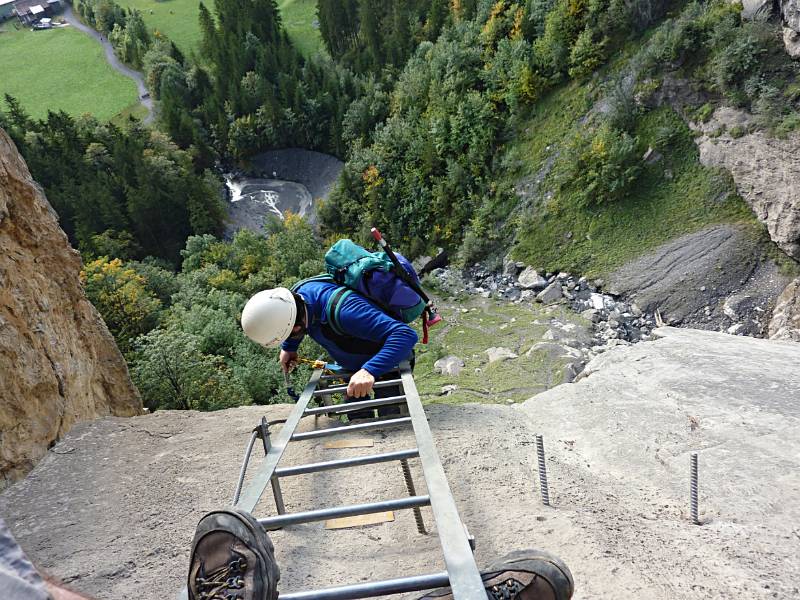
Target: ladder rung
column 351, row 510
column 346, row 462
column 374, row 589
column 351, row 406
column 343, row 388
column 308, row 435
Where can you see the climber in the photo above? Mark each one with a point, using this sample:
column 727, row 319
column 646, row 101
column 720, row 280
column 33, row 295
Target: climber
column 365, row 340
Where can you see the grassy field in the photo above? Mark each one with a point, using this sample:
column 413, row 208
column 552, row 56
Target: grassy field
column 299, row 17
column 178, row 20
column 61, row 69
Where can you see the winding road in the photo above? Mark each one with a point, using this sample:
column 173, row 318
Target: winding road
column 116, row 63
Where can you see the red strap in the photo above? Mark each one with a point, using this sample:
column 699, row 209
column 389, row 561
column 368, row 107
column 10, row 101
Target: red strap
column 425, row 327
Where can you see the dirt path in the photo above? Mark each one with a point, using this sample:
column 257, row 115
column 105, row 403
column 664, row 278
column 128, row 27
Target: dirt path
column 144, row 97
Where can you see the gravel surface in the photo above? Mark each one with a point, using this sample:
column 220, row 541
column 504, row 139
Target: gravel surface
column 112, row 507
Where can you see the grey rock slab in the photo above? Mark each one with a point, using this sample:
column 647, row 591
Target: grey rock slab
column 112, row 509
column 722, row 258
column 551, row 294
column 628, row 427
column 530, row 279
column 791, row 42
column 785, row 321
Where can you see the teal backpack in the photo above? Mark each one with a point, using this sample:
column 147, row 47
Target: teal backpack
column 374, row 276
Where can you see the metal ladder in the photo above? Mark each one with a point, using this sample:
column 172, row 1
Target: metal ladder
column 462, row 574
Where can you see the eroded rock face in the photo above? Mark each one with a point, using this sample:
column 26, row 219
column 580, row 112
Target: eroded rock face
column 766, row 171
column 58, row 362
column 790, row 11
column 785, row 322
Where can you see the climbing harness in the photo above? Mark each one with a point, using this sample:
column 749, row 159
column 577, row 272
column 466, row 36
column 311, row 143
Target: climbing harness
column 327, row 369
column 461, row 574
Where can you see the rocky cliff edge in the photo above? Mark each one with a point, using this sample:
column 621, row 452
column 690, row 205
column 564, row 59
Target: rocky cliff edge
column 58, row 362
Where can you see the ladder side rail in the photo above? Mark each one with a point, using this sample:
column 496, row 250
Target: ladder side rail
column 465, row 578
column 263, row 477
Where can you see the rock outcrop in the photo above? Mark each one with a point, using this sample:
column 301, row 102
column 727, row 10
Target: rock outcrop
column 766, row 171
column 790, row 12
column 58, row 362
column 785, row 322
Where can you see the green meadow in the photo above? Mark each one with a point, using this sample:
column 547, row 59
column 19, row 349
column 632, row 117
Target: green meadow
column 61, row 69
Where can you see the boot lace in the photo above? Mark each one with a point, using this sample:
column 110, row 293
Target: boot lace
column 217, row 584
column 507, row 590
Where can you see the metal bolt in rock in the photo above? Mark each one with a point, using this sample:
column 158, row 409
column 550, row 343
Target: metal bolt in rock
column 693, row 487
column 413, row 492
column 542, row 471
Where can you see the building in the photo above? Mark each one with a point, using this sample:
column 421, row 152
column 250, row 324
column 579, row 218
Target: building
column 30, row 11
column 6, row 9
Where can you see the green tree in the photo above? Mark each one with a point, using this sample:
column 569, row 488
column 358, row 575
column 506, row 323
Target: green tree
column 171, row 372
column 121, row 295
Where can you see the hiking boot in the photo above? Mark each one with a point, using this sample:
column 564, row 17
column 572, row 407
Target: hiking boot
column 232, row 559
column 522, row 575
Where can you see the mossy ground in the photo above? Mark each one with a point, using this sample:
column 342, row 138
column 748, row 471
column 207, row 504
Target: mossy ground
column 475, row 324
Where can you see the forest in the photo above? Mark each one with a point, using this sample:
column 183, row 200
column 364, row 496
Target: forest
column 426, row 102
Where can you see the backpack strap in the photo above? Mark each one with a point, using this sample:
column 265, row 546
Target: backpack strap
column 324, row 277
column 334, row 307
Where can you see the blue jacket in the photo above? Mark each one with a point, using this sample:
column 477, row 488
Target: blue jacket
column 378, row 343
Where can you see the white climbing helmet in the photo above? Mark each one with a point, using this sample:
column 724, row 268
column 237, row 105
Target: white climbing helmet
column 268, row 317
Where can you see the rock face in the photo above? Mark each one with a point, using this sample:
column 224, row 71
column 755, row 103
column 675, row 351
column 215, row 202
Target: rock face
column 712, row 279
column 790, row 12
column 756, row 9
column 766, row 171
column 632, row 422
column 785, row 322
column 58, row 362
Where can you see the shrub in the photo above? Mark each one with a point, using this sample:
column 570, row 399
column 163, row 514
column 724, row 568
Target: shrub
column 586, row 55
column 597, row 166
column 733, row 63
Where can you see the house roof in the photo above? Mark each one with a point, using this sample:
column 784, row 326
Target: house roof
column 4, row 2
column 23, row 7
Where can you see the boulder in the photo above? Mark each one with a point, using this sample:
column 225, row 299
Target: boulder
column 530, row 279
column 785, row 322
column 511, row 267
column 59, row 364
column 791, row 42
column 500, row 353
column 551, row 294
column 766, row 171
column 790, row 13
column 449, row 365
